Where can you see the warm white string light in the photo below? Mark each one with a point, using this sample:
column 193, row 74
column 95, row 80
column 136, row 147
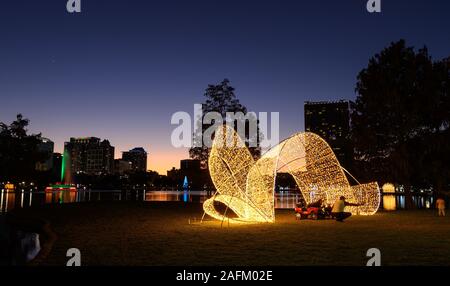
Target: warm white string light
column 247, row 187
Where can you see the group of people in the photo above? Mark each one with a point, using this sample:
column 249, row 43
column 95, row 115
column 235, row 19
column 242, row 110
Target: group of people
column 338, row 210
column 320, row 210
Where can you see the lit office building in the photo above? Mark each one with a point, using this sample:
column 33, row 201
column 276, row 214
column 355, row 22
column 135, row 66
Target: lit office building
column 331, row 121
column 89, row 155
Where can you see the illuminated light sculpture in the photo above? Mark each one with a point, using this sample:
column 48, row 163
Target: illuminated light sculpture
column 389, row 203
column 247, row 187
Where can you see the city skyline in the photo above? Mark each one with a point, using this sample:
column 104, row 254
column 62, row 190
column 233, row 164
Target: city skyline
column 119, row 70
column 224, row 140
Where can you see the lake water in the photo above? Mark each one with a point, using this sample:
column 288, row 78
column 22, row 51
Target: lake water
column 26, row 198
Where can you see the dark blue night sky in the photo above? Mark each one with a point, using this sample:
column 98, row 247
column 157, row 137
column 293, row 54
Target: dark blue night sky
column 121, row 68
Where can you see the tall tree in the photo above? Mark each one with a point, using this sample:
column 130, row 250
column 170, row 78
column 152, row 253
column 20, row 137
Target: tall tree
column 399, row 107
column 222, row 99
column 436, row 155
column 19, row 151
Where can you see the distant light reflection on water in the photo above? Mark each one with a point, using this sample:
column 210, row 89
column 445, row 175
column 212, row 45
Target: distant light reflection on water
column 27, row 198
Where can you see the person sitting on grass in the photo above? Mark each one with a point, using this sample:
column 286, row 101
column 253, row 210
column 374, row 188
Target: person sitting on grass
column 440, row 205
column 338, row 209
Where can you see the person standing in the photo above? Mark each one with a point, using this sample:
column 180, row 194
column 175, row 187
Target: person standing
column 440, row 205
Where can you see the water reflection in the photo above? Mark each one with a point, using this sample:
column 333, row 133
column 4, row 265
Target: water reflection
column 176, row 196
column 421, row 202
column 287, row 200
column 27, row 198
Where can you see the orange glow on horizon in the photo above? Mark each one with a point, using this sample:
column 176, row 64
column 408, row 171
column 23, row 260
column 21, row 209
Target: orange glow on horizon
column 163, row 160
column 158, row 159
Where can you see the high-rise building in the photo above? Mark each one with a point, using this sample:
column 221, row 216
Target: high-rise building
column 57, row 170
column 89, row 155
column 138, row 159
column 46, row 147
column 122, row 167
column 190, row 165
column 331, row 121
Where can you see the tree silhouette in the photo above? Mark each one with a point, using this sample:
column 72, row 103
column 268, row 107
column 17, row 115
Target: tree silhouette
column 222, row 99
column 18, row 151
column 399, row 114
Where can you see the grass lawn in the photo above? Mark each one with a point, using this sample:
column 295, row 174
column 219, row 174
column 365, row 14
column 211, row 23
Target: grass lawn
column 149, row 233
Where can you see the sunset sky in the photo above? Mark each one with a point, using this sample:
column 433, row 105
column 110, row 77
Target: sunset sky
column 121, row 68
